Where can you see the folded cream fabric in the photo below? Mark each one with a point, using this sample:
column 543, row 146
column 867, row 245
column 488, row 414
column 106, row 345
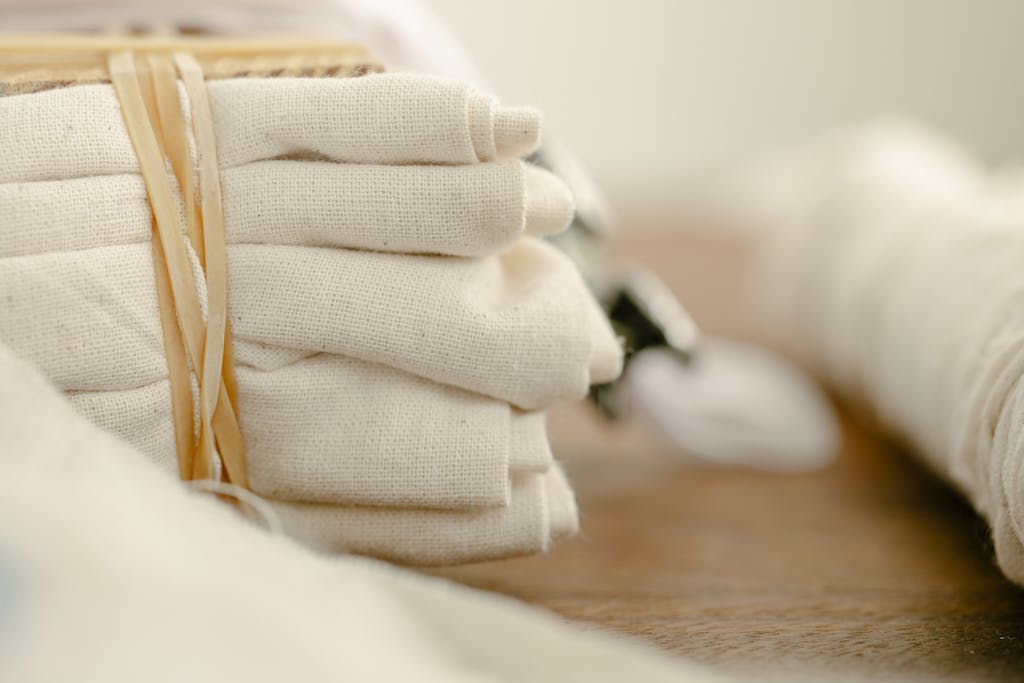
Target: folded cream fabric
column 542, row 508
column 398, row 327
column 467, row 210
column 518, row 327
column 377, row 119
column 893, row 264
column 376, row 461
column 332, row 429
column 112, row 572
column 359, row 457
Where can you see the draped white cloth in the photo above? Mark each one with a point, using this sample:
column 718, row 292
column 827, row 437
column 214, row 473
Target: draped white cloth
column 111, row 571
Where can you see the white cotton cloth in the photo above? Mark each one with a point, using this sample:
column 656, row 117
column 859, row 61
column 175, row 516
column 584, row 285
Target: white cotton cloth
column 542, row 509
column 375, row 119
column 330, row 429
column 376, row 462
column 520, row 327
column 892, row 261
column 111, row 571
column 466, row 210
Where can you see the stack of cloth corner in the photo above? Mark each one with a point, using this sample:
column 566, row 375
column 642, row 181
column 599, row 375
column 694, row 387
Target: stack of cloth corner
column 400, row 328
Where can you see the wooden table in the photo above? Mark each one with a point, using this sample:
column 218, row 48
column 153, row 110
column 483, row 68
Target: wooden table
column 869, row 566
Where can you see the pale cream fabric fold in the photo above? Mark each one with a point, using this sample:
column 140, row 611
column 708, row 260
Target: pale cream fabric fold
column 113, row 572
column 542, row 507
column 518, row 327
column 330, row 429
column 376, row 119
column 468, row 210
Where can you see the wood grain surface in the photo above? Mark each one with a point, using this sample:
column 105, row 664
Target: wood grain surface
column 869, row 567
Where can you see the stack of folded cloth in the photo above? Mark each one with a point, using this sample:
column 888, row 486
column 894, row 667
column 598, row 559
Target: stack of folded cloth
column 399, row 327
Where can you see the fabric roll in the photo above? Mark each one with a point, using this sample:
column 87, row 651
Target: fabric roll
column 542, row 507
column 468, row 210
column 892, row 261
column 375, row 119
column 329, row 429
column 96, row 541
column 519, row 327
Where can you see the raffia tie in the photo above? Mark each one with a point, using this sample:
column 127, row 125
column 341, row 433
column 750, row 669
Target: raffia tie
column 147, row 89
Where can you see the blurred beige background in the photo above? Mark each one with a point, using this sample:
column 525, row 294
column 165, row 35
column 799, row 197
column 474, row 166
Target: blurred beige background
column 656, row 95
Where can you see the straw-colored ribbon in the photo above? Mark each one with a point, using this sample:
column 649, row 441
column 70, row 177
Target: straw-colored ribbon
column 147, row 88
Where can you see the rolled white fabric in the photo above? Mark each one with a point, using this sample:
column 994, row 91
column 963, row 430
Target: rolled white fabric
column 113, row 572
column 893, row 263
